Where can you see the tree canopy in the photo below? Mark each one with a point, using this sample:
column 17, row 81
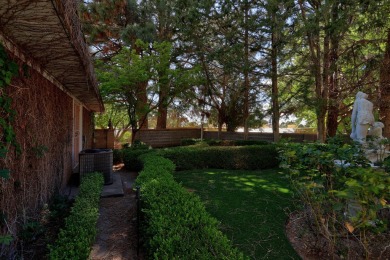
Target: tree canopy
column 240, row 62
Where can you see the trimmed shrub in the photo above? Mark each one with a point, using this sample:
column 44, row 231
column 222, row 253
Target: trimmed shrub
column 214, row 142
column 75, row 239
column 117, row 155
column 189, row 141
column 177, row 225
column 130, row 158
column 247, row 157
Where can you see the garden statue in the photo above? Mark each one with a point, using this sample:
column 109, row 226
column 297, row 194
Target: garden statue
column 376, row 130
column 362, row 117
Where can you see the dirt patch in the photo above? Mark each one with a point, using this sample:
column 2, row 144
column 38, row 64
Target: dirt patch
column 310, row 246
column 117, row 236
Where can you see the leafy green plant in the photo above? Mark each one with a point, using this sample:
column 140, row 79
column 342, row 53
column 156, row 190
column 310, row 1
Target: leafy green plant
column 379, row 146
column 8, row 69
column 339, row 189
column 40, row 150
column 6, row 239
column 31, row 230
column 75, row 239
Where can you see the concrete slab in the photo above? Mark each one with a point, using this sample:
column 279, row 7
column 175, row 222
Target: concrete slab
column 115, row 189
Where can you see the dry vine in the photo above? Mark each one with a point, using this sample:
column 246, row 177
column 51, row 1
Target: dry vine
column 42, row 122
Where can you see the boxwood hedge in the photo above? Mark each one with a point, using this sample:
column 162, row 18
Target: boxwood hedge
column 235, row 157
column 177, row 225
column 252, row 157
column 75, row 239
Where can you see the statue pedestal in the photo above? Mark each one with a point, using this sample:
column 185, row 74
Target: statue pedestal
column 376, row 155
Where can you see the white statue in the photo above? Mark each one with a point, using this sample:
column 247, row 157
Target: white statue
column 376, row 130
column 362, row 117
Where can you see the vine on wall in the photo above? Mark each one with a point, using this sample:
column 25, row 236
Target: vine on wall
column 8, row 69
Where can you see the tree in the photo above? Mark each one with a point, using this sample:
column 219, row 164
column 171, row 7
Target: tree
column 117, row 117
column 275, row 37
column 111, row 25
column 385, row 88
column 120, row 84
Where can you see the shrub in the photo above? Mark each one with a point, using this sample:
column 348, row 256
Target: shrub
column 214, row 142
column 248, row 157
column 75, row 239
column 117, row 155
column 341, row 198
column 177, row 225
column 189, row 141
column 130, row 158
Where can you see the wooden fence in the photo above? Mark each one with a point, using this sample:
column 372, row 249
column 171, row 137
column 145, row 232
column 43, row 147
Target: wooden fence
column 258, row 136
column 173, row 137
column 103, row 138
column 166, row 137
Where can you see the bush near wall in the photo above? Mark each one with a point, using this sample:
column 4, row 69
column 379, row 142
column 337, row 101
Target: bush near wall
column 75, row 240
column 215, row 142
column 246, row 157
column 177, row 224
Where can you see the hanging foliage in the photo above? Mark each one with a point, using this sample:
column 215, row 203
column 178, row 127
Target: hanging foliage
column 8, row 69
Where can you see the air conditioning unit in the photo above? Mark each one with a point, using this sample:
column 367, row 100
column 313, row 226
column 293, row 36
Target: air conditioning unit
column 97, row 160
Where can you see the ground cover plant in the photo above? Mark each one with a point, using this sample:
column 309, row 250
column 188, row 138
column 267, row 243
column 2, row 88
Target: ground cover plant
column 345, row 204
column 252, row 206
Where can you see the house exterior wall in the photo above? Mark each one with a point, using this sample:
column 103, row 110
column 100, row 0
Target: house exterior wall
column 88, row 128
column 44, row 129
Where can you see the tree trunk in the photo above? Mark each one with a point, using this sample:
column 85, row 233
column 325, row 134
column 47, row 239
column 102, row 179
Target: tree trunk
column 313, row 39
column 274, row 78
column 333, row 110
column 142, row 106
column 384, row 105
column 246, row 71
column 334, row 104
column 324, row 96
column 162, row 112
column 162, row 117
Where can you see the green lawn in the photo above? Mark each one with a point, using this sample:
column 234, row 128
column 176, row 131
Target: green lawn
column 252, row 207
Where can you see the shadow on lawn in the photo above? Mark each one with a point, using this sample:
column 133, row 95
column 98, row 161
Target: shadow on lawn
column 252, row 207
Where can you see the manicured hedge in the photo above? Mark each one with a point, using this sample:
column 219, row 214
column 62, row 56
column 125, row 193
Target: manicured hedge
column 241, row 157
column 214, row 142
column 177, row 225
column 75, row 239
column 130, row 158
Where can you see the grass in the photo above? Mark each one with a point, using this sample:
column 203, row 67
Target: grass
column 252, row 207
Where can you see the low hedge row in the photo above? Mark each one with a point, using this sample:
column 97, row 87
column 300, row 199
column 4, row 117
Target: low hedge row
column 238, row 157
column 251, row 157
column 177, row 225
column 75, row 239
column 214, row 142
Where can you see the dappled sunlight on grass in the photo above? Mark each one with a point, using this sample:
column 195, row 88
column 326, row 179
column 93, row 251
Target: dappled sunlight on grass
column 251, row 205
